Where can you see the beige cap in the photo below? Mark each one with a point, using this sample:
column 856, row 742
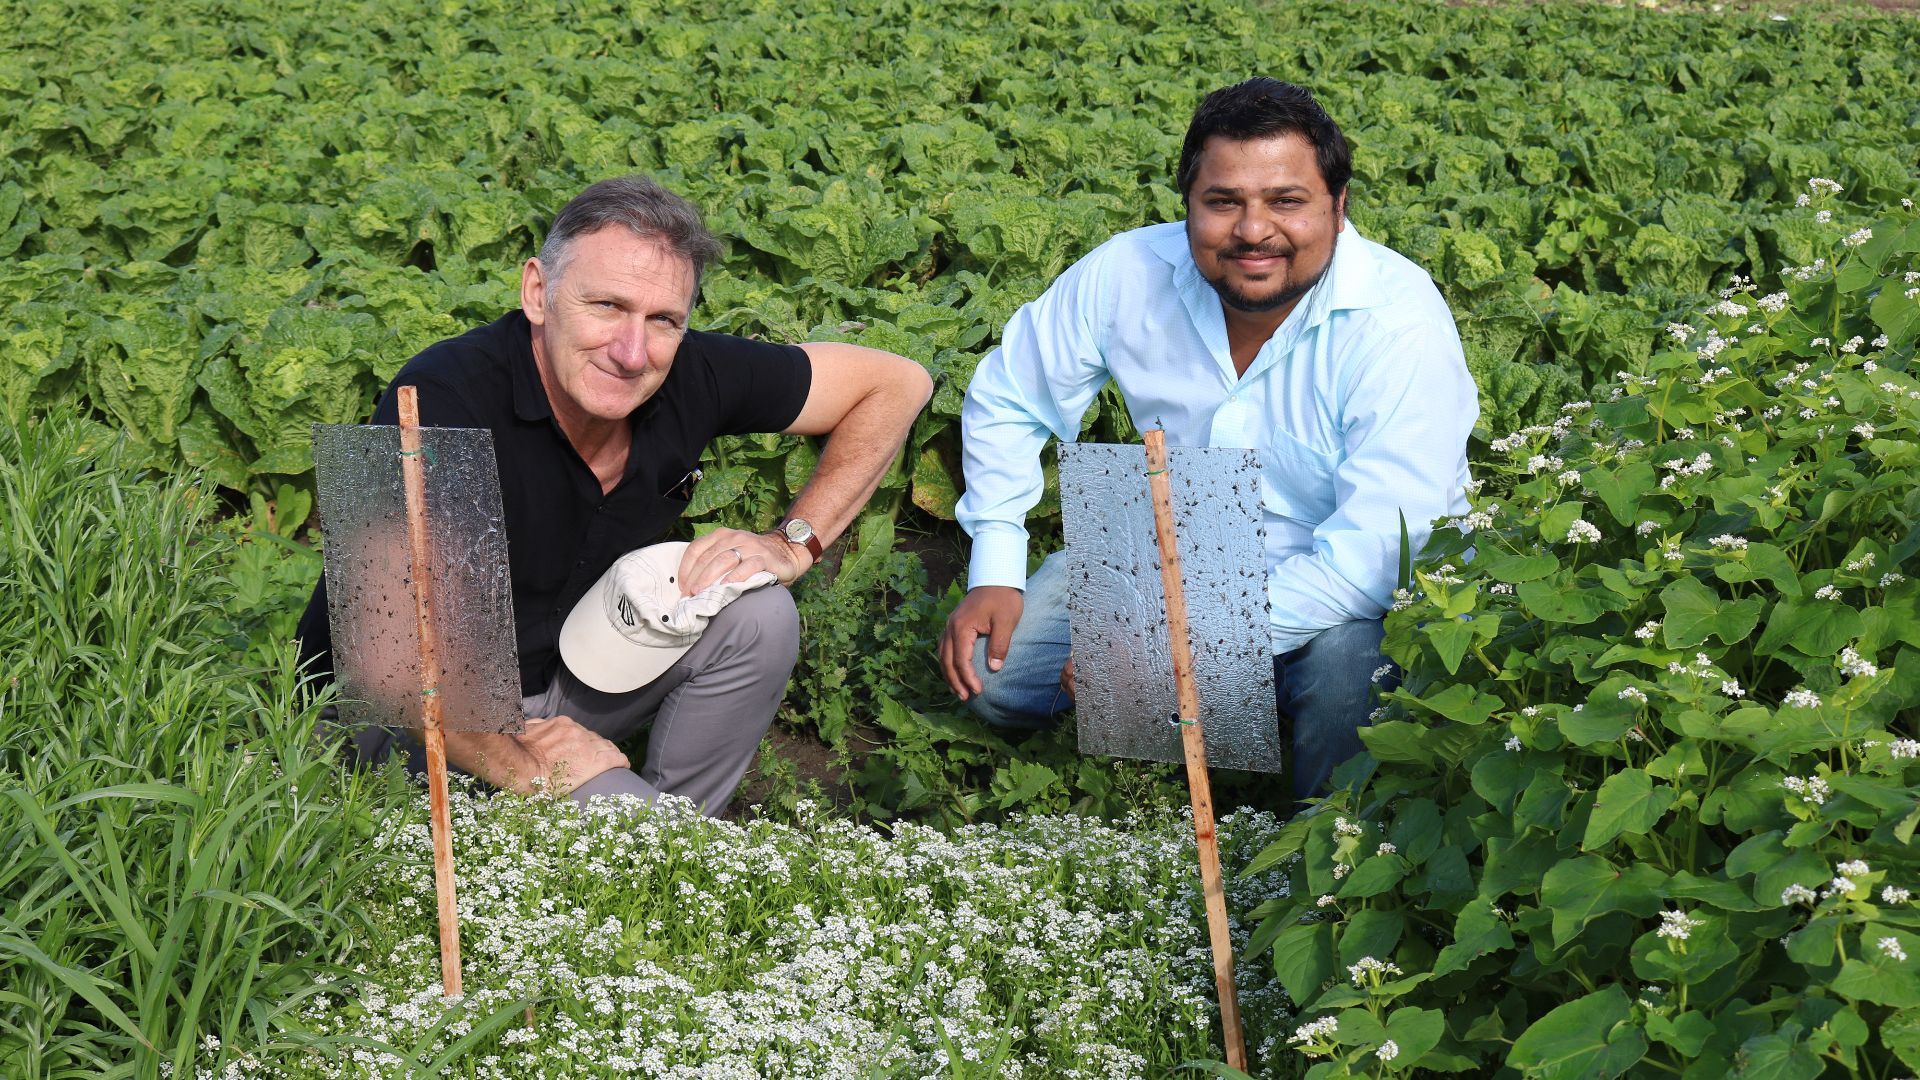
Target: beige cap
column 633, row 624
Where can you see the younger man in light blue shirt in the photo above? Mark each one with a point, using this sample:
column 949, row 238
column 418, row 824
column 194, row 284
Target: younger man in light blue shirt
column 1262, row 321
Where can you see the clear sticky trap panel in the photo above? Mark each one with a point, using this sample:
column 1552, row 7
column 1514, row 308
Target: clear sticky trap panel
column 370, row 602
column 1123, row 688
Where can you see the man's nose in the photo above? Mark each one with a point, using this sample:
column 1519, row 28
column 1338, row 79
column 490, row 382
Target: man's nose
column 629, row 346
column 1253, row 226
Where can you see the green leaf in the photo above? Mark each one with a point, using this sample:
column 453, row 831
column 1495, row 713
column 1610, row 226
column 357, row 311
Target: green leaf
column 1303, row 960
column 1876, row 977
column 1629, row 803
column 1415, row 1031
column 1687, row 1033
column 1516, row 569
column 1777, row 1057
column 1900, row 1033
column 1371, row 932
column 1585, row 1039
column 1557, row 602
column 1761, row 562
column 1374, row 876
column 1580, row 890
column 1477, row 931
column 1695, row 612
column 1461, row 702
column 1814, row 626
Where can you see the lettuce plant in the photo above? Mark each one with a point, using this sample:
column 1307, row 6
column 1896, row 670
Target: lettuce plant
column 1645, row 799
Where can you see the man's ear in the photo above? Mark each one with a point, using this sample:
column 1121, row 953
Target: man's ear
column 1340, row 212
column 533, row 291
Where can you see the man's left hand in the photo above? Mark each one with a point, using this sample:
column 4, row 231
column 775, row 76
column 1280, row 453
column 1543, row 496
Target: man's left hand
column 733, row 555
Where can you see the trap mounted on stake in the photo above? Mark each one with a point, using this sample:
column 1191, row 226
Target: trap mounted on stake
column 1120, row 649
column 419, row 599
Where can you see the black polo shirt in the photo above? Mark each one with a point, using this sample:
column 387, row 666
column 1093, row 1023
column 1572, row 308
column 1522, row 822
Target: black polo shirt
column 562, row 532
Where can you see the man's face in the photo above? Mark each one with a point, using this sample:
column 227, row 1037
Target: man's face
column 1260, row 220
column 605, row 333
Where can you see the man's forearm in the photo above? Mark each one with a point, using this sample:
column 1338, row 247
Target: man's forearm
column 857, row 455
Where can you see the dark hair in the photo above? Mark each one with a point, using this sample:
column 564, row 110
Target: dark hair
column 635, row 203
column 1261, row 107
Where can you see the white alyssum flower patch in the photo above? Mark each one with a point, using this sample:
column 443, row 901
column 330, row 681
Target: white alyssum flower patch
column 661, row 944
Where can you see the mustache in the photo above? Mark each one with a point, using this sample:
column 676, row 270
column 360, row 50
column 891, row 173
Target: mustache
column 1256, row 251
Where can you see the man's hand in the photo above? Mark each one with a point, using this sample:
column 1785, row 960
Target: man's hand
column 1066, row 678
column 732, row 555
column 992, row 610
column 557, row 753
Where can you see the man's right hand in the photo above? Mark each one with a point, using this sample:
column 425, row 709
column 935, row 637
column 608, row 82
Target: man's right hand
column 560, row 753
column 990, row 610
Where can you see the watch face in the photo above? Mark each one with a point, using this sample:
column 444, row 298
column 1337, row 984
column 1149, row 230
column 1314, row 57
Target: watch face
column 798, row 531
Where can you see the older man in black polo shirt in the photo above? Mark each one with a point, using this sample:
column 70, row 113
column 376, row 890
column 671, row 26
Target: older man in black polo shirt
column 600, row 399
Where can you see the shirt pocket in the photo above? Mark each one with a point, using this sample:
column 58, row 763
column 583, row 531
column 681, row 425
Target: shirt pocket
column 1296, row 481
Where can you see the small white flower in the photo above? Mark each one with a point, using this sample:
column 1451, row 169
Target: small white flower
column 1826, row 592
column 1512, row 743
column 1888, row 580
column 1797, row 894
column 1863, row 562
column 1823, row 216
column 1821, row 341
column 1386, row 849
column 1904, row 749
column 1645, row 527
column 1500, row 588
column 1568, row 478
column 1857, row 237
column 1632, row 693
column 1855, row 666
column 1812, row 788
column 1728, row 542
column 1367, row 965
column 1582, row 531
column 1678, row 925
column 1380, row 672
column 1890, row 947
column 1893, row 894
column 1731, row 689
column 1865, row 431
column 1390, row 1049
column 1803, row 698
column 1326, row 900
column 1645, row 633
column 1820, row 185
column 1343, row 827
column 1680, row 331
column 1773, row 303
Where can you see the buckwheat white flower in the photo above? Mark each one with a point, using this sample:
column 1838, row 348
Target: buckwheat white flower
column 1826, row 592
column 1632, row 693
column 1367, row 965
column 1802, row 698
column 1582, row 531
column 1855, row 666
column 1893, row 894
column 1857, row 237
column 1797, row 894
column 1390, row 1049
column 1645, row 633
column 1890, row 948
column 1678, row 925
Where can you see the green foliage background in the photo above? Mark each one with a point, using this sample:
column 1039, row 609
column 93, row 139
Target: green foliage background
column 222, row 222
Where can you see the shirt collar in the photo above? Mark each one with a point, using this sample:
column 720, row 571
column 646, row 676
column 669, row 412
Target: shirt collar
column 1353, row 281
column 529, row 396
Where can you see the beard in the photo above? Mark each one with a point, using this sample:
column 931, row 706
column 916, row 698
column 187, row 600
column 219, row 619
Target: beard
column 1288, row 293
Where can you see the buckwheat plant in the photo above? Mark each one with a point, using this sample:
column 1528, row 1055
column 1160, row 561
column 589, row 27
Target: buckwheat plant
column 658, row 943
column 1645, row 798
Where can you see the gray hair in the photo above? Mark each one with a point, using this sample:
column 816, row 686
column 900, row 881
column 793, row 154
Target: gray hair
column 640, row 205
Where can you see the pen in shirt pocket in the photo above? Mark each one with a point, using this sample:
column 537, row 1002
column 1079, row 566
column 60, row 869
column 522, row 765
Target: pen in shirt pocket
column 682, row 489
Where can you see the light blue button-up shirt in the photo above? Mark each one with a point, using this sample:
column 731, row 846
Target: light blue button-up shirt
column 1358, row 406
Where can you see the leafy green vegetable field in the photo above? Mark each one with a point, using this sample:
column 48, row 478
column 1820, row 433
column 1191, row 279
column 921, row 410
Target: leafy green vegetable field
column 222, row 223
column 1643, row 805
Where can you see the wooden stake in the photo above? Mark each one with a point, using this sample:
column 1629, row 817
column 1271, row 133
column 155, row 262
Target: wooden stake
column 432, row 717
column 1193, row 743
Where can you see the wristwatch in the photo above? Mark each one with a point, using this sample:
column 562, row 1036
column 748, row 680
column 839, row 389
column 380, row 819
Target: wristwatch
column 800, row 531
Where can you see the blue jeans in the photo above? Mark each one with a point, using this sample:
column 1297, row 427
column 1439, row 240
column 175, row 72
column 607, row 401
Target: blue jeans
column 1324, row 688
